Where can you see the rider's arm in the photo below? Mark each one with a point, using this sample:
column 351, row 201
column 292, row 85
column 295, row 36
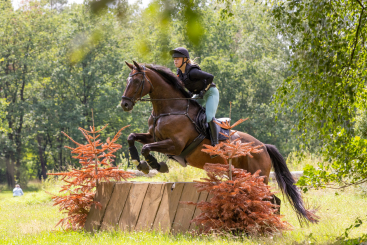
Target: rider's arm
column 196, row 74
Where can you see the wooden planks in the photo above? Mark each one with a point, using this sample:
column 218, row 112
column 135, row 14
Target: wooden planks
column 144, row 206
column 131, row 212
column 184, row 213
column 116, row 205
column 203, row 197
column 150, row 206
column 167, row 210
column 95, row 216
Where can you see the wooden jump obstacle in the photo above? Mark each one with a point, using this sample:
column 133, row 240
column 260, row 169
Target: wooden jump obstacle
column 129, row 206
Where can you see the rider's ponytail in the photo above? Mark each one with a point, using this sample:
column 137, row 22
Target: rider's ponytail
column 192, row 62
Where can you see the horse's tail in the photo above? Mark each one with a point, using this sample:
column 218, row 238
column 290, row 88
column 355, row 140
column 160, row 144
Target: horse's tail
column 286, row 184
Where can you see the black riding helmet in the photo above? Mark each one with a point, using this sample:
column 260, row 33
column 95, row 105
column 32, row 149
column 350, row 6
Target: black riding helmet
column 180, row 52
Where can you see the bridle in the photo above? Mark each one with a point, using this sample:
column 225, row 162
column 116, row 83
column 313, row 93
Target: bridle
column 142, row 82
column 135, row 99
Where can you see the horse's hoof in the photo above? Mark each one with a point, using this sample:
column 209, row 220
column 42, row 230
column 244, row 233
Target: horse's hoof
column 143, row 166
column 163, row 168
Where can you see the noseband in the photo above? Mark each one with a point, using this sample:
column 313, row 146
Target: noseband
column 135, row 99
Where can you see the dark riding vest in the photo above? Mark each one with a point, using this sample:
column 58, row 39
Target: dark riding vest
column 195, row 79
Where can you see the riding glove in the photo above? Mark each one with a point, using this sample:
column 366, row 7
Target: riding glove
column 201, row 94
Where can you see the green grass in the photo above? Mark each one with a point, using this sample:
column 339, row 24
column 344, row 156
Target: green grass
column 30, row 219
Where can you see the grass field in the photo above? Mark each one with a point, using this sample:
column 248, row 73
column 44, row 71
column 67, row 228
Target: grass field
column 31, row 219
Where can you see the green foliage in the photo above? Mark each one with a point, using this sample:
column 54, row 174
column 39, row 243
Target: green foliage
column 342, row 149
column 3, row 126
column 327, row 83
column 361, row 124
column 345, row 237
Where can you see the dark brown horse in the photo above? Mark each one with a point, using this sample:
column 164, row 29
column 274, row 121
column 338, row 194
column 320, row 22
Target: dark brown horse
column 171, row 130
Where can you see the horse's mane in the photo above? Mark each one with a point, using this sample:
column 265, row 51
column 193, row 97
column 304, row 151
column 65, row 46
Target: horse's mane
column 170, row 77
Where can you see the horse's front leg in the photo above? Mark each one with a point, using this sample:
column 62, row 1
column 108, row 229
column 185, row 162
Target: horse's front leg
column 165, row 146
column 144, row 138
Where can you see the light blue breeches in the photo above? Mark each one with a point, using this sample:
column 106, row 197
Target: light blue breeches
column 210, row 102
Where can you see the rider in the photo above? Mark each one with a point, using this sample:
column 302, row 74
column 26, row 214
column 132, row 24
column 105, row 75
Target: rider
column 201, row 84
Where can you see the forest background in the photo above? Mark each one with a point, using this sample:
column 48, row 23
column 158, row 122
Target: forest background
column 59, row 61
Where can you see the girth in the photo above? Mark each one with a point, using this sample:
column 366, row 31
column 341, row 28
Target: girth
column 181, row 158
column 186, row 113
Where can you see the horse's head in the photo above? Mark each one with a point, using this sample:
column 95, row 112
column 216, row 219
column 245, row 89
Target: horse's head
column 138, row 85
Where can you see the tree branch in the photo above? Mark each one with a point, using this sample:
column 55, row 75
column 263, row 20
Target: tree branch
column 347, row 184
column 357, row 34
column 359, row 2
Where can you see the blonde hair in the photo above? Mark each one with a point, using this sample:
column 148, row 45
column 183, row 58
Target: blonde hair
column 192, row 62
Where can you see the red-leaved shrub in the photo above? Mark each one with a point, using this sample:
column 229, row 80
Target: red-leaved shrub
column 241, row 200
column 96, row 158
column 240, row 205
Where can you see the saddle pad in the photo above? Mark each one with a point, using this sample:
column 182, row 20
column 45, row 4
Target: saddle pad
column 204, row 129
column 204, row 132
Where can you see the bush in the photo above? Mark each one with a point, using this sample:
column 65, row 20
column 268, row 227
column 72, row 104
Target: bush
column 241, row 201
column 241, row 205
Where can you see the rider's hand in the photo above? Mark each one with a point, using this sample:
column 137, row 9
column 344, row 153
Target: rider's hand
column 201, row 94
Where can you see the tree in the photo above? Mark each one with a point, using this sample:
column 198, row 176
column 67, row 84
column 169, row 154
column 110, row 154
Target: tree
column 16, row 46
column 328, row 63
column 22, row 48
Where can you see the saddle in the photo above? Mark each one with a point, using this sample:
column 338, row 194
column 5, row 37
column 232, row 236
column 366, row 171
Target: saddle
column 202, row 127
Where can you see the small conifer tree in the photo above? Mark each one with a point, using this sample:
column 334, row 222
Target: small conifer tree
column 80, row 184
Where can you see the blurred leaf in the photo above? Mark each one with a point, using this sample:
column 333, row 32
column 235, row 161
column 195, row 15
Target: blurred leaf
column 83, row 44
column 97, row 6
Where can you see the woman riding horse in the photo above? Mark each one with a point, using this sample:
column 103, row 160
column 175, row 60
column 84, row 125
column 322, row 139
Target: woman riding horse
column 172, row 129
column 199, row 83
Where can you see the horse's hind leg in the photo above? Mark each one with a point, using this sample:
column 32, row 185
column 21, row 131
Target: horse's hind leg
column 275, row 200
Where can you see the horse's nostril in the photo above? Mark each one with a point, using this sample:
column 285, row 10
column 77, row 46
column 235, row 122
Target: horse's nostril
column 126, row 105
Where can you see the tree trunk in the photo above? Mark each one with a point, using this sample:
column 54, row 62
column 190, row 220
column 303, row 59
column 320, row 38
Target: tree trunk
column 10, row 172
column 41, row 156
column 60, row 151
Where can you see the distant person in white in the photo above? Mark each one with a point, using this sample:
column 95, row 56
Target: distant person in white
column 17, row 191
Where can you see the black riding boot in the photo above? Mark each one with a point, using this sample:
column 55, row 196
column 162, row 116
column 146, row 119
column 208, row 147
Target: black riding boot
column 214, row 132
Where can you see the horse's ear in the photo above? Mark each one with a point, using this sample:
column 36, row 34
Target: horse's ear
column 137, row 66
column 129, row 65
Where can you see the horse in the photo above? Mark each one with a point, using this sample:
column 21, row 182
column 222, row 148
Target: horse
column 172, row 129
